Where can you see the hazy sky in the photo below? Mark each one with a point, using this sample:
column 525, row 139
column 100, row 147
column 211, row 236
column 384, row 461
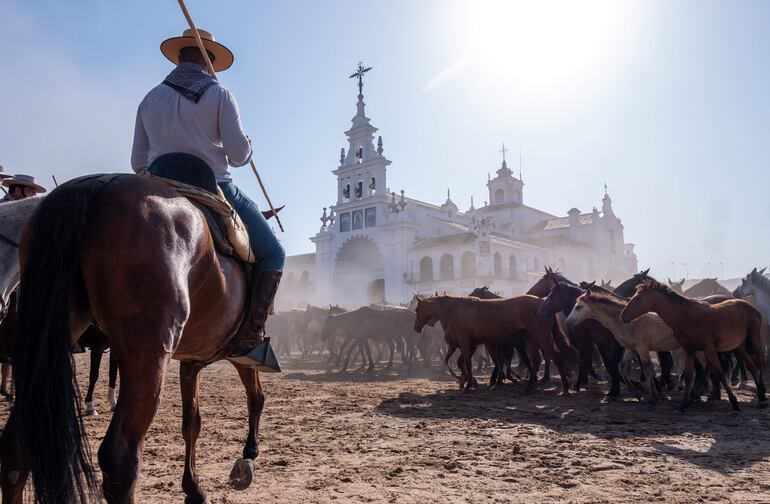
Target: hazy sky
column 665, row 101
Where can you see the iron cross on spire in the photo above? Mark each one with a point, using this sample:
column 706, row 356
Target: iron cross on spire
column 504, row 150
column 360, row 71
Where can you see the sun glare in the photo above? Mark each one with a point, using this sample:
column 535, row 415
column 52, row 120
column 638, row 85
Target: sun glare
column 544, row 43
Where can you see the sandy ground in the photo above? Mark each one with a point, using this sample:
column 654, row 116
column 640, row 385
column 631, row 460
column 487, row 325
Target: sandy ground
column 394, row 436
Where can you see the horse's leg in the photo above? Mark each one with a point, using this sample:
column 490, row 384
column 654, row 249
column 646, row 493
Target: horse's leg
column 755, row 368
column 649, row 369
column 120, row 454
column 392, row 348
column 449, row 353
column 718, row 374
column 343, row 346
column 189, row 382
column 612, row 358
column 14, row 469
column 551, row 356
column 350, row 347
column 546, row 371
column 368, row 356
column 97, row 349
column 534, row 365
column 243, row 470
column 5, row 370
column 687, row 373
column 666, row 365
column 113, row 381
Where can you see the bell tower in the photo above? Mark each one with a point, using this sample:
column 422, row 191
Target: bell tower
column 505, row 188
column 362, row 170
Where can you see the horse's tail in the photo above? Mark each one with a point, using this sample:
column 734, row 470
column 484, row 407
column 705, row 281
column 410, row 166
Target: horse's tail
column 47, row 412
column 568, row 352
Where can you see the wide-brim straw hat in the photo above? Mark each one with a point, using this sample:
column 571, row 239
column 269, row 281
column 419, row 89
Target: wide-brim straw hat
column 3, row 174
column 223, row 57
column 23, row 180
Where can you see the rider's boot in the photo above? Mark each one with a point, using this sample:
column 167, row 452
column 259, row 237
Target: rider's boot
column 250, row 346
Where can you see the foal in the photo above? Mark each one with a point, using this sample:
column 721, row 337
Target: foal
column 645, row 334
column 730, row 325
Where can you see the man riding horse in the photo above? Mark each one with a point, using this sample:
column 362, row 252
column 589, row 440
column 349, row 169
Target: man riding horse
column 190, row 112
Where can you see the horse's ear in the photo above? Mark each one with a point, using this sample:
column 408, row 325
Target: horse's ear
column 644, row 273
column 436, row 294
column 762, row 271
column 669, row 281
column 754, row 270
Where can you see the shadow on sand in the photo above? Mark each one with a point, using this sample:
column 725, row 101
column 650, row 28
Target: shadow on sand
column 739, row 440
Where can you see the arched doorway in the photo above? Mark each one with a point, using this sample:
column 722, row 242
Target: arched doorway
column 426, row 269
column 359, row 273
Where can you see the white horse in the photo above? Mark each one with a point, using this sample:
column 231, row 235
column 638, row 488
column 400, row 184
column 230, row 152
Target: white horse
column 755, row 288
column 641, row 336
column 13, row 218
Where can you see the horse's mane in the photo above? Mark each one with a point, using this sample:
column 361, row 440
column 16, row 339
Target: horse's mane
column 667, row 291
column 606, row 298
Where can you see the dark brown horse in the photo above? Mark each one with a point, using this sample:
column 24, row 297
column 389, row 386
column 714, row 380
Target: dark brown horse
column 709, row 328
column 469, row 322
column 584, row 336
column 139, row 259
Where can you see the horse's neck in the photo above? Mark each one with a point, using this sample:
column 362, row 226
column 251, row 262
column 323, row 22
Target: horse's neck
column 668, row 311
column 608, row 316
column 762, row 297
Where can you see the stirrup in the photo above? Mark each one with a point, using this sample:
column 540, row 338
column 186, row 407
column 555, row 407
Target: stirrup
column 261, row 357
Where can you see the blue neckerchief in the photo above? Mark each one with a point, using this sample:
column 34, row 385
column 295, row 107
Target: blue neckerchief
column 189, row 80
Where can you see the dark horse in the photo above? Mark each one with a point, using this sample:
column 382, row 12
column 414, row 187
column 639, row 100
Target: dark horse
column 139, row 259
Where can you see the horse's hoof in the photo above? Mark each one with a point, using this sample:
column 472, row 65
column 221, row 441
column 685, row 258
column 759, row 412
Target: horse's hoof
column 242, row 474
column 564, row 393
column 91, row 409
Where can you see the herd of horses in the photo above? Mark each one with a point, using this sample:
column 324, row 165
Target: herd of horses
column 175, row 295
column 712, row 336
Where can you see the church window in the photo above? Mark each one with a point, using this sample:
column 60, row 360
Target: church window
column 346, row 192
column 512, row 268
column 426, row 269
column 344, row 222
column 499, row 196
column 498, row 265
column 370, row 217
column 468, row 265
column 447, row 267
column 358, row 219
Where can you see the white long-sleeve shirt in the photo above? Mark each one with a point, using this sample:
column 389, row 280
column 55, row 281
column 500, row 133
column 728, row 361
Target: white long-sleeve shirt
column 210, row 129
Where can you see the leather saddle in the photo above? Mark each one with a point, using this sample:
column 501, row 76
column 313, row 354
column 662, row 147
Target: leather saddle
column 193, row 178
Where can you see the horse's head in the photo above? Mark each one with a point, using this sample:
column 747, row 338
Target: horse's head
column 676, row 286
column 426, row 312
column 607, row 285
column 581, row 311
column 626, row 288
column 561, row 297
column 750, row 283
column 642, row 302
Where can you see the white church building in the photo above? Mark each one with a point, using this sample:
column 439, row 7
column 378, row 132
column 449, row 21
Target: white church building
column 377, row 246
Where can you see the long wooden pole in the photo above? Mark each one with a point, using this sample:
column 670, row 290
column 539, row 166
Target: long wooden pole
column 205, row 55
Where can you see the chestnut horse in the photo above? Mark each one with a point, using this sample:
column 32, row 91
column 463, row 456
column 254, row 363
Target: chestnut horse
column 469, row 322
column 709, row 328
column 138, row 258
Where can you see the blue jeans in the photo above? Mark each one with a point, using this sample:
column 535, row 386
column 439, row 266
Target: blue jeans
column 267, row 250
